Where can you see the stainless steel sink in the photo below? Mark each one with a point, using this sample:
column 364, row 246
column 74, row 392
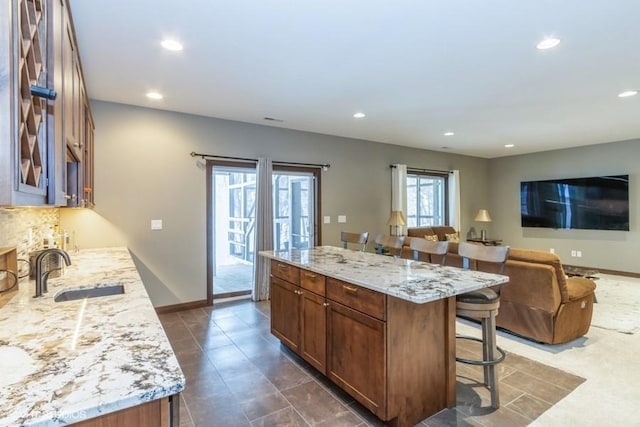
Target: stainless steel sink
column 97, row 291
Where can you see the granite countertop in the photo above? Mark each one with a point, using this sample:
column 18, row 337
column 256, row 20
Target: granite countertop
column 63, row 362
column 415, row 281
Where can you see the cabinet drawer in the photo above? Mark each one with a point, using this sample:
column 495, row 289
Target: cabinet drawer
column 285, row 272
column 313, row 282
column 362, row 299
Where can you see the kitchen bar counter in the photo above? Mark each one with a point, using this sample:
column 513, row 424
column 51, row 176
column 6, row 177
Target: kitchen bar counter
column 381, row 328
column 64, row 362
column 414, row 281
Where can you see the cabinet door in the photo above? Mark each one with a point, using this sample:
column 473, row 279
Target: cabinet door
column 356, row 357
column 285, row 312
column 313, row 327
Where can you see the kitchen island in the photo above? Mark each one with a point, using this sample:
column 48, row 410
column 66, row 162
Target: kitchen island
column 381, row 328
column 72, row 361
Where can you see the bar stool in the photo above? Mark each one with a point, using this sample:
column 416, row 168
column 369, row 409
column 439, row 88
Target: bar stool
column 483, row 305
column 389, row 245
column 355, row 238
column 419, row 245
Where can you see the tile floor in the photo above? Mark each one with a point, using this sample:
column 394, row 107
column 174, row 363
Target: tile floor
column 238, row 374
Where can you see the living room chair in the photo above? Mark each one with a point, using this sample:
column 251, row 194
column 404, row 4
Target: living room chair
column 354, row 238
column 430, row 248
column 483, row 305
column 389, row 245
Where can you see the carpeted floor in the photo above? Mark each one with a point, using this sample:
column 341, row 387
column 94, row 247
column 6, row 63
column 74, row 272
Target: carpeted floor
column 618, row 306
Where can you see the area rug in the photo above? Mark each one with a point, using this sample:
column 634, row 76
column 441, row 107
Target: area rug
column 618, row 304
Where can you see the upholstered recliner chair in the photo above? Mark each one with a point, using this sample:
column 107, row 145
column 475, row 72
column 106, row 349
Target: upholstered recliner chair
column 540, row 302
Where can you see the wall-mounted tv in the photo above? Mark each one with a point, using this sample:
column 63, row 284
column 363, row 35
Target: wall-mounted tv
column 595, row 203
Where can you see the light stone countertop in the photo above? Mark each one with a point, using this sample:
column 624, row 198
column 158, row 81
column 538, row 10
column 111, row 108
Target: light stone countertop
column 415, row 281
column 62, row 362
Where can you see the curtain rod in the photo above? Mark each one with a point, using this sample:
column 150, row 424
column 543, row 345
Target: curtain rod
column 422, row 170
column 324, row 166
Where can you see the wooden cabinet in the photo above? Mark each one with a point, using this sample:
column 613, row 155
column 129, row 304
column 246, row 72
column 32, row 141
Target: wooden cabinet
column 24, row 117
column 298, row 315
column 162, row 412
column 39, row 57
column 356, row 361
column 395, row 357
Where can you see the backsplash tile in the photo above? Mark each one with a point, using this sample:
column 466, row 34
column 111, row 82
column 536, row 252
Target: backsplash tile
column 14, row 230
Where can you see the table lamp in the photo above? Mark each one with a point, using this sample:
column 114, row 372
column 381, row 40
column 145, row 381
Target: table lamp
column 483, row 216
column 396, row 220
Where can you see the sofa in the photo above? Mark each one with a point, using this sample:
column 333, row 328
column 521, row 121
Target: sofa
column 539, row 302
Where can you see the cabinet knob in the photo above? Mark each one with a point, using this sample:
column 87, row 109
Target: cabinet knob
column 326, row 304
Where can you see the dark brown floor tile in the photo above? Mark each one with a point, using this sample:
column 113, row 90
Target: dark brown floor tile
column 345, row 419
column 536, row 387
column 449, row 418
column 529, row 407
column 283, row 373
column 495, row 418
column 365, row 414
column 249, row 385
column 210, row 412
column 214, row 341
column 314, row 403
column 185, row 416
column 287, row 417
column 263, row 404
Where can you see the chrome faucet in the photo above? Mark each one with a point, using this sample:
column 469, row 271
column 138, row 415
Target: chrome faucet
column 41, row 278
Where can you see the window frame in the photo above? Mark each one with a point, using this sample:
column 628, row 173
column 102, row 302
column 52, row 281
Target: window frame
column 445, row 192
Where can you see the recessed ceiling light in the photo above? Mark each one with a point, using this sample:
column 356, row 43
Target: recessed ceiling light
column 548, row 43
column 359, row 115
column 171, row 45
column 627, row 93
column 449, row 134
column 509, row 145
column 154, row 95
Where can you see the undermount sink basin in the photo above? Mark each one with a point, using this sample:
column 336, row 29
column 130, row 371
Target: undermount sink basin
column 97, row 291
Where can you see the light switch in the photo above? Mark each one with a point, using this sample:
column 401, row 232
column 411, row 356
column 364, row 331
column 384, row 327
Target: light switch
column 327, row 219
column 156, row 224
column 342, row 218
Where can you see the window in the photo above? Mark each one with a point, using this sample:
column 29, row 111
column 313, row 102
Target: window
column 427, row 199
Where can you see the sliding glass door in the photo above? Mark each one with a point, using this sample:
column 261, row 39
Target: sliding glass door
column 294, row 218
column 232, row 221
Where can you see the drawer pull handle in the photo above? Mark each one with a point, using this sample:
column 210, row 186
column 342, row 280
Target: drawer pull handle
column 350, row 289
column 311, row 275
column 326, row 304
column 283, row 266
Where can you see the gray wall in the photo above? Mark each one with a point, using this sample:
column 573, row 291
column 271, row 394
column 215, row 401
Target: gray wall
column 144, row 172
column 613, row 250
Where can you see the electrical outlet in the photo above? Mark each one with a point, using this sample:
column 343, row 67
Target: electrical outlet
column 156, row 224
column 574, row 253
column 552, row 250
column 342, row 218
column 579, row 254
column 327, row 219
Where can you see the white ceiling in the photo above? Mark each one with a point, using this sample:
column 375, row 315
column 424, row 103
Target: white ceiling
column 416, row 68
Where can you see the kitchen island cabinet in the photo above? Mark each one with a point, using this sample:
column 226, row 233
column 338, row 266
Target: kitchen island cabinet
column 388, row 325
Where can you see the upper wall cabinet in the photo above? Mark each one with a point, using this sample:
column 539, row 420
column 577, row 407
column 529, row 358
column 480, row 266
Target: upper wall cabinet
column 44, row 109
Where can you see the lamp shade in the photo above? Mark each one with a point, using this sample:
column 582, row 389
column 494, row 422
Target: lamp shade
column 483, row 216
column 396, row 219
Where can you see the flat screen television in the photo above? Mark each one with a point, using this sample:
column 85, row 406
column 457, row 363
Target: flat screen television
column 595, row 203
